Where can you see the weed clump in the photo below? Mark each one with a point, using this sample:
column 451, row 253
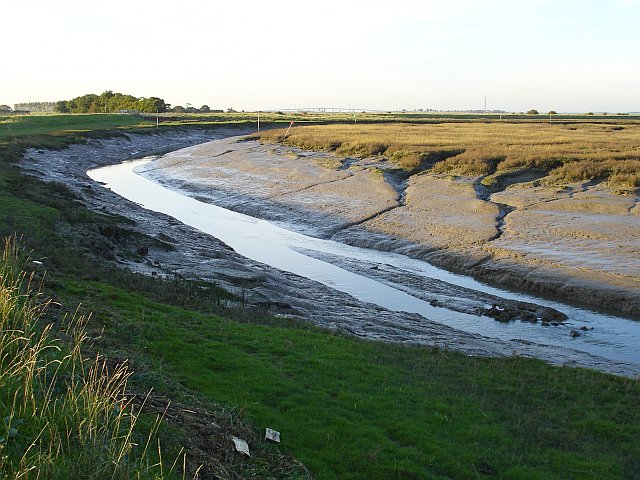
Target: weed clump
column 61, row 415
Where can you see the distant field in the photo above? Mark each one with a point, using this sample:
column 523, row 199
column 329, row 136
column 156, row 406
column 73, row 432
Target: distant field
column 20, row 126
column 41, row 124
column 563, row 152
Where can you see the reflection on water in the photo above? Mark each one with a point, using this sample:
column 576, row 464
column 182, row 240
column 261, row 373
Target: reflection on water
column 613, row 337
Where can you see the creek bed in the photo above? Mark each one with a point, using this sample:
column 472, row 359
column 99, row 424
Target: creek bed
column 345, row 268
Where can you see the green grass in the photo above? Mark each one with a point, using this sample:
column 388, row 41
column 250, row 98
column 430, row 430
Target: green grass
column 63, row 415
column 352, row 409
column 28, row 125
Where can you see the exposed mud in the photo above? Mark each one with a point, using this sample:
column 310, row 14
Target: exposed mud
column 583, row 236
column 315, row 193
column 310, row 191
column 443, row 294
column 583, row 250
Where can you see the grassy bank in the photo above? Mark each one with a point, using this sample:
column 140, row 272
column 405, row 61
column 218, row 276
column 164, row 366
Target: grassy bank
column 564, row 153
column 63, row 415
column 67, row 238
column 357, row 409
column 346, row 408
column 16, row 127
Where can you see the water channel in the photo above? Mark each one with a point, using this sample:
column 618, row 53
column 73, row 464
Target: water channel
column 612, row 337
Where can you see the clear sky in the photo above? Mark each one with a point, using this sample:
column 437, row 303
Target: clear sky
column 565, row 55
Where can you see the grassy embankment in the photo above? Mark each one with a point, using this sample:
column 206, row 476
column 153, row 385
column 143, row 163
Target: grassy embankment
column 41, row 212
column 355, row 409
column 67, row 239
column 63, row 415
column 561, row 153
column 347, row 408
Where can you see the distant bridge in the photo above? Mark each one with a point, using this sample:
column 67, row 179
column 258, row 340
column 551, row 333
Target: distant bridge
column 325, row 110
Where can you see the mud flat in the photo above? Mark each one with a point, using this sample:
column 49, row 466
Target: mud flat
column 310, row 191
column 585, row 235
column 580, row 244
column 197, row 255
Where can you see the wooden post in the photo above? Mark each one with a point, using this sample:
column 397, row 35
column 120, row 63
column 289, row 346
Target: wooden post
column 287, row 132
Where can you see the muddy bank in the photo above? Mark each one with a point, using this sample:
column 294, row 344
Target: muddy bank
column 579, row 244
column 196, row 255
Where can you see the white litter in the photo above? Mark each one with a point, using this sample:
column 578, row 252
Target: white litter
column 272, row 435
column 241, row 446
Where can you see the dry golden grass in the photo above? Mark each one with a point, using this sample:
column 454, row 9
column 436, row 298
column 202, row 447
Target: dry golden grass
column 62, row 415
column 568, row 153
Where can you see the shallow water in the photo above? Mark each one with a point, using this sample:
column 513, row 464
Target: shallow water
column 613, row 337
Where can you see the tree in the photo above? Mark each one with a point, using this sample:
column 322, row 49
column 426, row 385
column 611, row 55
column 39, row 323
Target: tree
column 85, row 103
column 178, row 109
column 552, row 112
column 35, row 106
column 205, row 109
column 533, row 111
column 151, row 105
column 230, row 110
column 109, row 101
column 61, row 107
column 5, row 109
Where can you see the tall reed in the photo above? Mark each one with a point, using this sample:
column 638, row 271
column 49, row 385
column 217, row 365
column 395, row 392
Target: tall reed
column 62, row 415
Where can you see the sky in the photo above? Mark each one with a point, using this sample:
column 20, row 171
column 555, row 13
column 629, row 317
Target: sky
column 563, row 55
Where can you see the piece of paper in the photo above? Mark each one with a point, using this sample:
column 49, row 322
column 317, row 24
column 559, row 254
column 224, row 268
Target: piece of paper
column 272, row 435
column 241, row 446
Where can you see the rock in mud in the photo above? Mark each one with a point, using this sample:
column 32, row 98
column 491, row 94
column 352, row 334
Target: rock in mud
column 525, row 312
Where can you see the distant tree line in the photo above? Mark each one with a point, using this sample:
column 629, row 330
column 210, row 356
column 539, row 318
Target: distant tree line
column 46, row 107
column 6, row 110
column 111, row 102
column 190, row 109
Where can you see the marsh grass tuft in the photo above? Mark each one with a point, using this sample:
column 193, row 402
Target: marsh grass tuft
column 63, row 415
column 566, row 153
